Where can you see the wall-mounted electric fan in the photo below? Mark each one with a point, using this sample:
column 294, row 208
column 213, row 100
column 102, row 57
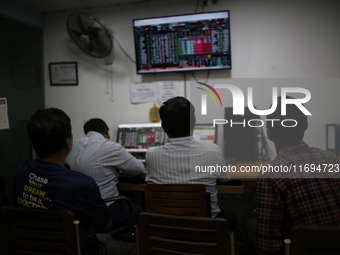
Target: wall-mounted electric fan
column 90, row 34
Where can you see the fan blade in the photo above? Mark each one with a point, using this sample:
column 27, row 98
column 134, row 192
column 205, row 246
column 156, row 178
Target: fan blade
column 90, row 34
column 80, row 23
column 95, row 31
column 75, row 32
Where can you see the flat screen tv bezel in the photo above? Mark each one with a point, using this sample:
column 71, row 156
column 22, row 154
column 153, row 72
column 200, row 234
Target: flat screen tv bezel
column 191, row 15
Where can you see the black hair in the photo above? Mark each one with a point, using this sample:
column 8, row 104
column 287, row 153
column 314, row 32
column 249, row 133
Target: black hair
column 285, row 136
column 178, row 117
column 48, row 130
column 97, row 125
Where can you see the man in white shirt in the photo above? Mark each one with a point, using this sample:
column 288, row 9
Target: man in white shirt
column 183, row 160
column 102, row 159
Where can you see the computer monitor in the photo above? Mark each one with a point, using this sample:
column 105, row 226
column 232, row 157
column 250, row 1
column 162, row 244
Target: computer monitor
column 140, row 135
column 205, row 133
column 189, row 42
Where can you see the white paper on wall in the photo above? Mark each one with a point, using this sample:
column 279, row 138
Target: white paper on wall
column 4, row 124
column 152, row 92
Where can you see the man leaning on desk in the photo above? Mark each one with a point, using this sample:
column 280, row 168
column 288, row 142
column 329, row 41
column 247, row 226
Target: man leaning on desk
column 103, row 159
column 175, row 162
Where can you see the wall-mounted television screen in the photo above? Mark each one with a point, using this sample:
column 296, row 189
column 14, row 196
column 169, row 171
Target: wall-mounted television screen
column 190, row 42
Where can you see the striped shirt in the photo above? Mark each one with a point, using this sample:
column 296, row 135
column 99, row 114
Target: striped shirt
column 185, row 161
column 102, row 159
column 285, row 201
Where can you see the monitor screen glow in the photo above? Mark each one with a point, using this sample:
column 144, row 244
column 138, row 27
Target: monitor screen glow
column 190, row 42
column 205, row 133
column 140, row 135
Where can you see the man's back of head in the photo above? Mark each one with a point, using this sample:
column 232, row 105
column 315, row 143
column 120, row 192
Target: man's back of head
column 285, row 130
column 97, row 125
column 49, row 130
column 178, row 117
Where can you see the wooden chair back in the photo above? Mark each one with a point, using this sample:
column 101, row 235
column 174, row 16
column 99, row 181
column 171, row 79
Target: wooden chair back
column 177, row 199
column 314, row 240
column 173, row 234
column 36, row 232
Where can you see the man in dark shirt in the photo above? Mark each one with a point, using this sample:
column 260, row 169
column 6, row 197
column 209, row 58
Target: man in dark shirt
column 44, row 183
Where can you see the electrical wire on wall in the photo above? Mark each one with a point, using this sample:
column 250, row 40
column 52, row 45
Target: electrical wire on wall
column 204, row 3
column 107, row 92
column 109, row 72
column 206, row 79
column 185, row 85
column 193, row 75
column 112, row 98
column 125, row 53
column 197, row 5
column 109, row 82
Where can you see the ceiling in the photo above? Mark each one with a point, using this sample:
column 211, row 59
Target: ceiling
column 46, row 6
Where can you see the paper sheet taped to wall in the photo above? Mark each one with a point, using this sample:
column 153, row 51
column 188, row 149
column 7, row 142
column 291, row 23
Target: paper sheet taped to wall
column 151, row 92
column 143, row 92
column 4, row 124
column 169, row 89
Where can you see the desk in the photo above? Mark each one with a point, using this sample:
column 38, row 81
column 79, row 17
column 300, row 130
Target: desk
column 236, row 185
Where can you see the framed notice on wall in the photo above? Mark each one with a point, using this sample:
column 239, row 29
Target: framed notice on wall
column 63, row 73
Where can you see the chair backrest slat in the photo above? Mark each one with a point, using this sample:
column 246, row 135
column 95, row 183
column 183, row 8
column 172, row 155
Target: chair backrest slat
column 177, row 199
column 172, row 234
column 32, row 231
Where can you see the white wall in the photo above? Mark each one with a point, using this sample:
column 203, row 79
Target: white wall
column 269, row 39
